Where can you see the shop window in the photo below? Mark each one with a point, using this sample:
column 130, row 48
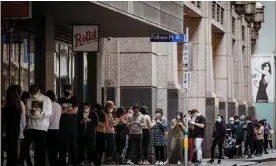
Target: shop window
column 64, row 67
column 17, row 61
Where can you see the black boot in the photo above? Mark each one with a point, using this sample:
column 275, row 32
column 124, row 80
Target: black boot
column 219, row 161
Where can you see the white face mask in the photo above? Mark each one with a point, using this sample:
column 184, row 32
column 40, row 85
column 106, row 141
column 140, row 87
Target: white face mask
column 86, row 110
column 178, row 117
column 36, row 96
column 158, row 115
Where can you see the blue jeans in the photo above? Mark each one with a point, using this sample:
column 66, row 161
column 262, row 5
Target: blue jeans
column 125, row 148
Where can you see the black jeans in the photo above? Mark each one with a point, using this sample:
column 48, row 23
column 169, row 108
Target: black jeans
column 12, row 157
column 100, row 146
column 52, row 146
column 25, row 153
column 260, row 146
column 86, row 144
column 38, row 137
column 120, row 145
column 214, row 144
column 135, row 140
column 265, row 142
column 68, row 137
column 159, row 153
column 145, row 143
column 249, row 144
column 109, row 145
column 270, row 144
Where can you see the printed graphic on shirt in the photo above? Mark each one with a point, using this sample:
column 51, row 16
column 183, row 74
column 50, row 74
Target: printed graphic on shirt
column 37, row 106
column 66, row 105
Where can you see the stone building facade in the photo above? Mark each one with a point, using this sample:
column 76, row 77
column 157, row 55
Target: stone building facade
column 151, row 73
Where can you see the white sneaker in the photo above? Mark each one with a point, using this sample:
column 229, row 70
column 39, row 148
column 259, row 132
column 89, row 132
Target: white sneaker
column 146, row 162
column 130, row 162
column 157, row 163
column 179, row 162
column 166, row 162
column 161, row 163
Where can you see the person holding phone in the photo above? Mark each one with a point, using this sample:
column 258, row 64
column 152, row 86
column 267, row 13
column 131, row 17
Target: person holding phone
column 159, row 136
column 135, row 123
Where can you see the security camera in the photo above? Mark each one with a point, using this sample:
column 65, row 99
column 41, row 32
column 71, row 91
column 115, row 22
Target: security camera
column 108, row 38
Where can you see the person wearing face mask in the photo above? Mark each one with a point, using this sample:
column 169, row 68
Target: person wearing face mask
column 237, row 132
column 198, row 133
column 135, row 123
column 110, row 132
column 87, row 123
column 267, row 129
column 158, row 140
column 190, row 138
column 177, row 126
column 53, row 130
column 38, row 110
column 146, row 134
column 249, row 137
column 129, row 111
column 68, row 126
column 218, row 135
column 260, row 138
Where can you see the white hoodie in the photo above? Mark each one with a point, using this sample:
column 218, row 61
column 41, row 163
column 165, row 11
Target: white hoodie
column 40, row 119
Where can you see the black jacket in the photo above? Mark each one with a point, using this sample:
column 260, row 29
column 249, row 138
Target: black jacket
column 219, row 132
column 89, row 129
column 250, row 130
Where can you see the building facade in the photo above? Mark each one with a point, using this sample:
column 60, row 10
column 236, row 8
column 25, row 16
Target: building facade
column 129, row 68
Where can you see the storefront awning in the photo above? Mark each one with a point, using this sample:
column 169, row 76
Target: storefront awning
column 112, row 21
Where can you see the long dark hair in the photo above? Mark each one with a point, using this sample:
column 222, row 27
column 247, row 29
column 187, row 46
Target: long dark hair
column 181, row 115
column 99, row 110
column 120, row 112
column 265, row 64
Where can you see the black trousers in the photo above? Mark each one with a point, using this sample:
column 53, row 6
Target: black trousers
column 25, row 153
column 249, row 144
column 265, row 142
column 255, row 143
column 159, row 153
column 145, row 143
column 135, row 140
column 52, row 146
column 68, row 137
column 12, row 157
column 120, row 145
column 260, row 146
column 100, row 146
column 86, row 148
column 270, row 144
column 214, row 144
column 38, row 137
column 110, row 142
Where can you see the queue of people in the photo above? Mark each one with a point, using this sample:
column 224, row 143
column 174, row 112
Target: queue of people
column 68, row 134
column 242, row 136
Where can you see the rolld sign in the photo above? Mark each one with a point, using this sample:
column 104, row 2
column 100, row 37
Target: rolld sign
column 85, row 38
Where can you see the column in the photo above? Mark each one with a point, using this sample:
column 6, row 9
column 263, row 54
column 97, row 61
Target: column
column 223, row 56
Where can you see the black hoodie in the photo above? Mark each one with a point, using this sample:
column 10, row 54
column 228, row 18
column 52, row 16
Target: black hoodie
column 88, row 130
column 219, row 132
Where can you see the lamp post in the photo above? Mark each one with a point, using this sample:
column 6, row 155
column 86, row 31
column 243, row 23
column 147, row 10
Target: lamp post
column 240, row 7
column 250, row 11
column 259, row 17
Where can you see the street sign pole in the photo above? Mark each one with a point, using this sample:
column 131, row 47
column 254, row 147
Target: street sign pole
column 186, row 86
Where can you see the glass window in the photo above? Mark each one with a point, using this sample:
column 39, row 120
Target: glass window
column 17, row 61
column 64, row 67
column 85, row 76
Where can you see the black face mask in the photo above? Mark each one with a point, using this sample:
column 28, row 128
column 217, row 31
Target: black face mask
column 66, row 94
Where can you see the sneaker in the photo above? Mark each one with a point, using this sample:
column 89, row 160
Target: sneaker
column 210, row 161
column 129, row 162
column 197, row 163
column 140, row 162
column 157, row 163
column 161, row 163
column 146, row 162
column 219, row 161
column 190, row 163
column 179, row 162
column 166, row 162
column 266, row 152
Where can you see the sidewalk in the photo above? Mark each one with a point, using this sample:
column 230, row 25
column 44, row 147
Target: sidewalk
column 264, row 158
